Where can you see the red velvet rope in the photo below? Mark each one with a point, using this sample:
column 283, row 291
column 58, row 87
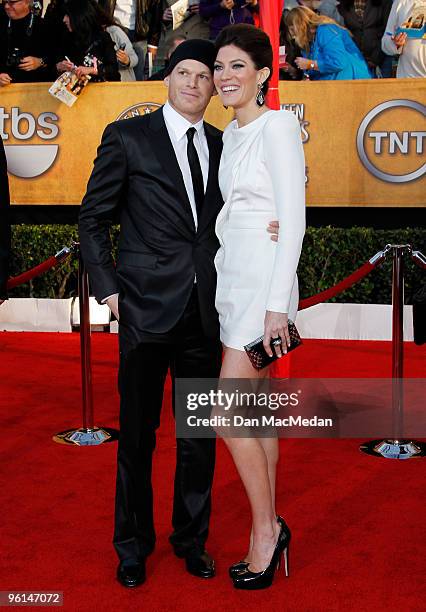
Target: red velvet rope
column 347, row 282
column 323, row 296
column 36, row 271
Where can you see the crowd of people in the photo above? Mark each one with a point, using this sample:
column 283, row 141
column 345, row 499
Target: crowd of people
column 113, row 40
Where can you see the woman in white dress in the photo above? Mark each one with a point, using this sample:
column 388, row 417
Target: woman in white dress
column 262, row 178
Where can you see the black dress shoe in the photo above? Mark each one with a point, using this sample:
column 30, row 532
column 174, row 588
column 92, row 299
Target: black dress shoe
column 131, row 575
column 201, row 565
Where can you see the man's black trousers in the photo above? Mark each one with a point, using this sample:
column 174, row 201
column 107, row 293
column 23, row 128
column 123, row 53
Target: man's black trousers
column 189, row 354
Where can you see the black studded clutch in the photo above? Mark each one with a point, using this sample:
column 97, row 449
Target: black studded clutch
column 259, row 357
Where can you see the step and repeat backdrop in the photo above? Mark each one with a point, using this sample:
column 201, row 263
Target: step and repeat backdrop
column 364, row 141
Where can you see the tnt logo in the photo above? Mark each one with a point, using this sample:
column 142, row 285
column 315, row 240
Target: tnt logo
column 391, row 141
column 28, row 160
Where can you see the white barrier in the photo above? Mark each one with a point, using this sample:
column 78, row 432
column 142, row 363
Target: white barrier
column 44, row 315
column 326, row 321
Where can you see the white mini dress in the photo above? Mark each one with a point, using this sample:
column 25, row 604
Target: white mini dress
column 262, row 178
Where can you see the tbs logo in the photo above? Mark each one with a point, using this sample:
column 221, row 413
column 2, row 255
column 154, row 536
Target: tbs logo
column 29, row 160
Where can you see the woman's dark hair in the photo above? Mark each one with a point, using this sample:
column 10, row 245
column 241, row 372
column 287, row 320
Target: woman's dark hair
column 253, row 41
column 87, row 20
column 56, row 9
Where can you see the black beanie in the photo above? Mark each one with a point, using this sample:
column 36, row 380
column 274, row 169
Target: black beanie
column 197, row 49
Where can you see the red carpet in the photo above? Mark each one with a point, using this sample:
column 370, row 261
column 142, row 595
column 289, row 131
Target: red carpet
column 357, row 522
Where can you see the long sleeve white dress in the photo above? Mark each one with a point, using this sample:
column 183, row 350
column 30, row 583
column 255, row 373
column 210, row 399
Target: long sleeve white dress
column 262, row 178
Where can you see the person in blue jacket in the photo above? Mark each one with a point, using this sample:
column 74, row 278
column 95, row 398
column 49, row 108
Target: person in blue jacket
column 328, row 51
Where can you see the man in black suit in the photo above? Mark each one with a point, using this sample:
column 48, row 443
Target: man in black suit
column 4, row 224
column 159, row 172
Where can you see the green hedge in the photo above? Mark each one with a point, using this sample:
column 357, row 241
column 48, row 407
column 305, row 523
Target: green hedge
column 329, row 255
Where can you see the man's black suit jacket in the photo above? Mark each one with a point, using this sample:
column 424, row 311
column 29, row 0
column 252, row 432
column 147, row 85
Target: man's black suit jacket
column 136, row 174
column 4, row 222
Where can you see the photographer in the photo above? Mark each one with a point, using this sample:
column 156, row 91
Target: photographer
column 23, row 43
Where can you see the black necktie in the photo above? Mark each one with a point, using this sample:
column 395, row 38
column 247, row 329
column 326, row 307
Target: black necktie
column 196, row 174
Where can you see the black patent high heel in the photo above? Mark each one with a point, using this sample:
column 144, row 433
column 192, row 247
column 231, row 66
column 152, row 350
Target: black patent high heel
column 240, row 566
column 261, row 580
column 235, row 569
column 285, row 536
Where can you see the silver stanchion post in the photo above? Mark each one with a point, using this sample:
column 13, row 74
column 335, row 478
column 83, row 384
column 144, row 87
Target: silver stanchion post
column 88, row 434
column 397, row 448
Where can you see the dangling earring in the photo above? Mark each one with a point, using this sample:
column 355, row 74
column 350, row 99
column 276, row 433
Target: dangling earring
column 260, row 96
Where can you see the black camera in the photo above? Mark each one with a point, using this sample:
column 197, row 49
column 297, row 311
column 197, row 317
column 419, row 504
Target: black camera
column 14, row 58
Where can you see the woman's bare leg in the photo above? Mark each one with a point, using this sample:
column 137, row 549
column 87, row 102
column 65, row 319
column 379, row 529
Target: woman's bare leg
column 255, row 459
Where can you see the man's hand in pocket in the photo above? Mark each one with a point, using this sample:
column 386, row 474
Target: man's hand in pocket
column 113, row 305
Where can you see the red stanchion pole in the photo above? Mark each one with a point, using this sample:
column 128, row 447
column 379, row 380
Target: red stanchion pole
column 88, row 434
column 85, row 345
column 397, row 340
column 397, row 448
